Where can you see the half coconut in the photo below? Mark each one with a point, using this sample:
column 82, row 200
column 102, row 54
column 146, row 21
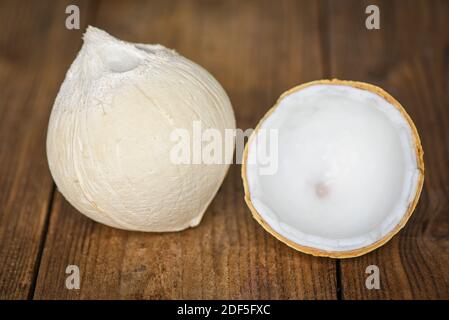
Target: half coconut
column 334, row 169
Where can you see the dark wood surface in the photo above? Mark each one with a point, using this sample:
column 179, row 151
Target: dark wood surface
column 257, row 50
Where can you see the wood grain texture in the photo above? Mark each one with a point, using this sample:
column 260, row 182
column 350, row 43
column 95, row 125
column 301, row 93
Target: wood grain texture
column 30, row 71
column 409, row 57
column 256, row 49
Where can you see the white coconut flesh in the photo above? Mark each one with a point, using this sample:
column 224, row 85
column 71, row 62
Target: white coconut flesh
column 347, row 168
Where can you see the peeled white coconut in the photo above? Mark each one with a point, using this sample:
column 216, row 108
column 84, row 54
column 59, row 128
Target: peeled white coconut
column 349, row 169
column 109, row 137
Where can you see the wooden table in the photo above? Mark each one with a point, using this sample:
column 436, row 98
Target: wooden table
column 257, row 50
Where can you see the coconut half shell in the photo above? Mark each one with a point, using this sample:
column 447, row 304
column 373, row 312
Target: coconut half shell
column 353, row 251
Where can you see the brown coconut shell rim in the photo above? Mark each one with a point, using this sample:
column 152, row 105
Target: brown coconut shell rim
column 419, row 160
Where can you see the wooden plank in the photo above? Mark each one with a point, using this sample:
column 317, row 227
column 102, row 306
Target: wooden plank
column 409, row 58
column 256, row 49
column 30, row 72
